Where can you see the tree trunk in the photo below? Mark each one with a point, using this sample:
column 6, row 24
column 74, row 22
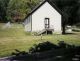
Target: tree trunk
column 64, row 21
column 63, row 29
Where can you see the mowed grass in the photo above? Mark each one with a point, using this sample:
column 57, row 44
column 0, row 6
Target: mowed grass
column 16, row 38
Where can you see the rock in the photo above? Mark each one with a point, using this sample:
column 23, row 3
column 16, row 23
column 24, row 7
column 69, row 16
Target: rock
column 7, row 25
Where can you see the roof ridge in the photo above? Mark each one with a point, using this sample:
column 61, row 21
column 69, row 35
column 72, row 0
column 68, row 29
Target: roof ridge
column 52, row 4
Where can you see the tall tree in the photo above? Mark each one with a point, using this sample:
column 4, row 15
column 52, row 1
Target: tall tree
column 70, row 7
column 18, row 9
column 3, row 7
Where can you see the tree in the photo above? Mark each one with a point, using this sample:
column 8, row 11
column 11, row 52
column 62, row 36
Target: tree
column 3, row 7
column 18, row 9
column 71, row 8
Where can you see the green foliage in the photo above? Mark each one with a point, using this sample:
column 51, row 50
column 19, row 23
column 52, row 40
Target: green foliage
column 18, row 9
column 3, row 8
column 71, row 8
column 15, row 38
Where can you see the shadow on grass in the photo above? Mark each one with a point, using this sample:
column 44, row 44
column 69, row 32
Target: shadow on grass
column 70, row 33
column 48, row 51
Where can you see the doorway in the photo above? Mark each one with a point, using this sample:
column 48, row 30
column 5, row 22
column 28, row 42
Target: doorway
column 47, row 23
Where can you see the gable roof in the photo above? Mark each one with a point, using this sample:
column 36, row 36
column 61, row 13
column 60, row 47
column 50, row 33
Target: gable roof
column 52, row 4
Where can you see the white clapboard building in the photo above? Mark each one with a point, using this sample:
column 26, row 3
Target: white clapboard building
column 45, row 16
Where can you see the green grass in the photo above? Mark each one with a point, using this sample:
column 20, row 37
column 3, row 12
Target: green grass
column 17, row 38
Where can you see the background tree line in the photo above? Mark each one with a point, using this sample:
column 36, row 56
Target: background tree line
column 71, row 8
column 17, row 10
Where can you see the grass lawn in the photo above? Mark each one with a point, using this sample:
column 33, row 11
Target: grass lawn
column 17, row 38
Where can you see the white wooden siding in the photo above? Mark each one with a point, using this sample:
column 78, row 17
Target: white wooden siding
column 28, row 24
column 46, row 10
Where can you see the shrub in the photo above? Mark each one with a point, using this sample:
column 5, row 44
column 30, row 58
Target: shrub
column 41, row 47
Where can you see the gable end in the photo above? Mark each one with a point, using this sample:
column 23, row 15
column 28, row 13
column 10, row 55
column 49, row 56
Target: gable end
column 53, row 5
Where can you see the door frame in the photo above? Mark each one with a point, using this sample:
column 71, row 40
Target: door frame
column 47, row 23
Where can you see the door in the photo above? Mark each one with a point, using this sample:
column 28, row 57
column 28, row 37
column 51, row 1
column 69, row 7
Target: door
column 47, row 23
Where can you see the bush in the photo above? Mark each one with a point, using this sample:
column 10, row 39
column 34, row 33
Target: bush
column 41, row 47
column 49, row 50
